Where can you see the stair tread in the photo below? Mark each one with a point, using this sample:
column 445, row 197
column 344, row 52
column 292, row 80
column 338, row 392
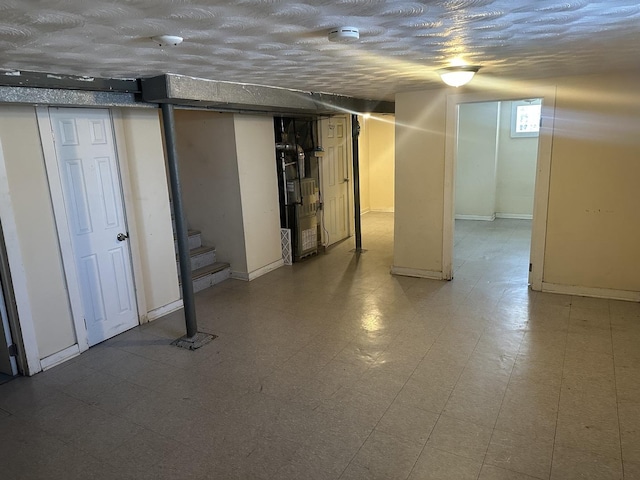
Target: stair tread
column 190, row 233
column 201, row 249
column 214, row 268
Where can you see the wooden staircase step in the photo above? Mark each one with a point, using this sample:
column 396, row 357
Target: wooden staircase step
column 200, row 250
column 215, row 268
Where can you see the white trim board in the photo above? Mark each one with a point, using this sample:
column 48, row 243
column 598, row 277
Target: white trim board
column 485, row 218
column 611, row 294
column 417, row 272
column 18, row 275
column 62, row 226
column 60, row 357
column 247, row 277
column 164, row 310
column 516, row 216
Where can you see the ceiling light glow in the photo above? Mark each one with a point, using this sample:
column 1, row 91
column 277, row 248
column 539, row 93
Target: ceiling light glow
column 458, row 75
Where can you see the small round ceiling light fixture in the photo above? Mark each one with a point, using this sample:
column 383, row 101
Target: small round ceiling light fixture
column 458, row 75
column 167, row 40
column 344, row 34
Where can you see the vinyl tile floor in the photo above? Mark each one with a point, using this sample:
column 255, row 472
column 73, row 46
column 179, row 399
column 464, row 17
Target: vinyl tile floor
column 335, row 369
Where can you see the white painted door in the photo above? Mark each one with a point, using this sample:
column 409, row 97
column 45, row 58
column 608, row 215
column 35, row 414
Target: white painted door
column 88, row 167
column 335, row 179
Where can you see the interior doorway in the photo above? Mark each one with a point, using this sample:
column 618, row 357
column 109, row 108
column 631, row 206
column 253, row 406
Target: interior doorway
column 541, row 188
column 496, row 158
column 84, row 177
column 335, row 178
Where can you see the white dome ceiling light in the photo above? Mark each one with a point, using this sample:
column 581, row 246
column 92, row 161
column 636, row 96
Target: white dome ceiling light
column 344, row 34
column 167, row 40
column 458, row 75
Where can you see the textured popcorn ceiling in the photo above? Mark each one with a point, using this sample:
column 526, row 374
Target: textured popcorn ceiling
column 284, row 43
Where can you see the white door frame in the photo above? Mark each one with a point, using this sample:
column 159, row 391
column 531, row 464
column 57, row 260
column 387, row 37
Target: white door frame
column 543, row 173
column 18, row 274
column 62, row 223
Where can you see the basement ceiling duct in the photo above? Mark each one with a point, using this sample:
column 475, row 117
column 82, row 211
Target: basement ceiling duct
column 202, row 93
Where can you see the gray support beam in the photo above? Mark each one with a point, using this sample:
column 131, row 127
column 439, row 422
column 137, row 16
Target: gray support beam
column 203, row 93
column 188, row 300
column 355, row 130
column 67, row 97
column 17, row 78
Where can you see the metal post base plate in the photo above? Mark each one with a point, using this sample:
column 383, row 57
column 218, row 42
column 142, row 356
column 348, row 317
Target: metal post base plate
column 358, row 250
column 200, row 339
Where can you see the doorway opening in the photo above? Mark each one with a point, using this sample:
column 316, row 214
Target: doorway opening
column 496, row 158
column 543, row 172
column 85, row 181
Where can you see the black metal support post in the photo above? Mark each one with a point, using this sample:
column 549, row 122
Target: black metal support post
column 168, row 121
column 355, row 130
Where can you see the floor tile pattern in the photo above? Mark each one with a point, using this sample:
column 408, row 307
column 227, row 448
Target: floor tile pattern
column 335, row 369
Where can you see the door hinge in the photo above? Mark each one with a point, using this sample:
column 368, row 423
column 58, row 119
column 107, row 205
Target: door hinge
column 13, row 350
column 530, row 267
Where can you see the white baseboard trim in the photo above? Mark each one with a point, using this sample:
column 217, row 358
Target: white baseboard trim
column 366, row 210
column 240, row 276
column 516, row 216
column 62, row 356
column 486, row 218
column 165, row 310
column 416, row 272
column 382, row 210
column 247, row 277
column 611, row 294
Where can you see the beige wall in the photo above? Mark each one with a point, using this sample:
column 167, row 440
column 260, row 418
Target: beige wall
column 419, row 178
column 143, row 147
column 594, row 200
column 255, row 144
column 377, row 163
column 141, row 152
column 593, row 227
column 230, row 188
column 36, row 231
column 210, row 186
column 516, row 175
column 363, row 150
column 477, row 160
column 381, row 162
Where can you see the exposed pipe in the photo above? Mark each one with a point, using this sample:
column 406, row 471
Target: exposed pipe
column 168, row 121
column 355, row 131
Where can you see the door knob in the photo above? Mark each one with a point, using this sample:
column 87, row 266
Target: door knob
column 122, row 237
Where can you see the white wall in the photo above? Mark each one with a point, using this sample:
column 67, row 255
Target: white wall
column 495, row 174
column 477, row 158
column 255, row 146
column 516, row 175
